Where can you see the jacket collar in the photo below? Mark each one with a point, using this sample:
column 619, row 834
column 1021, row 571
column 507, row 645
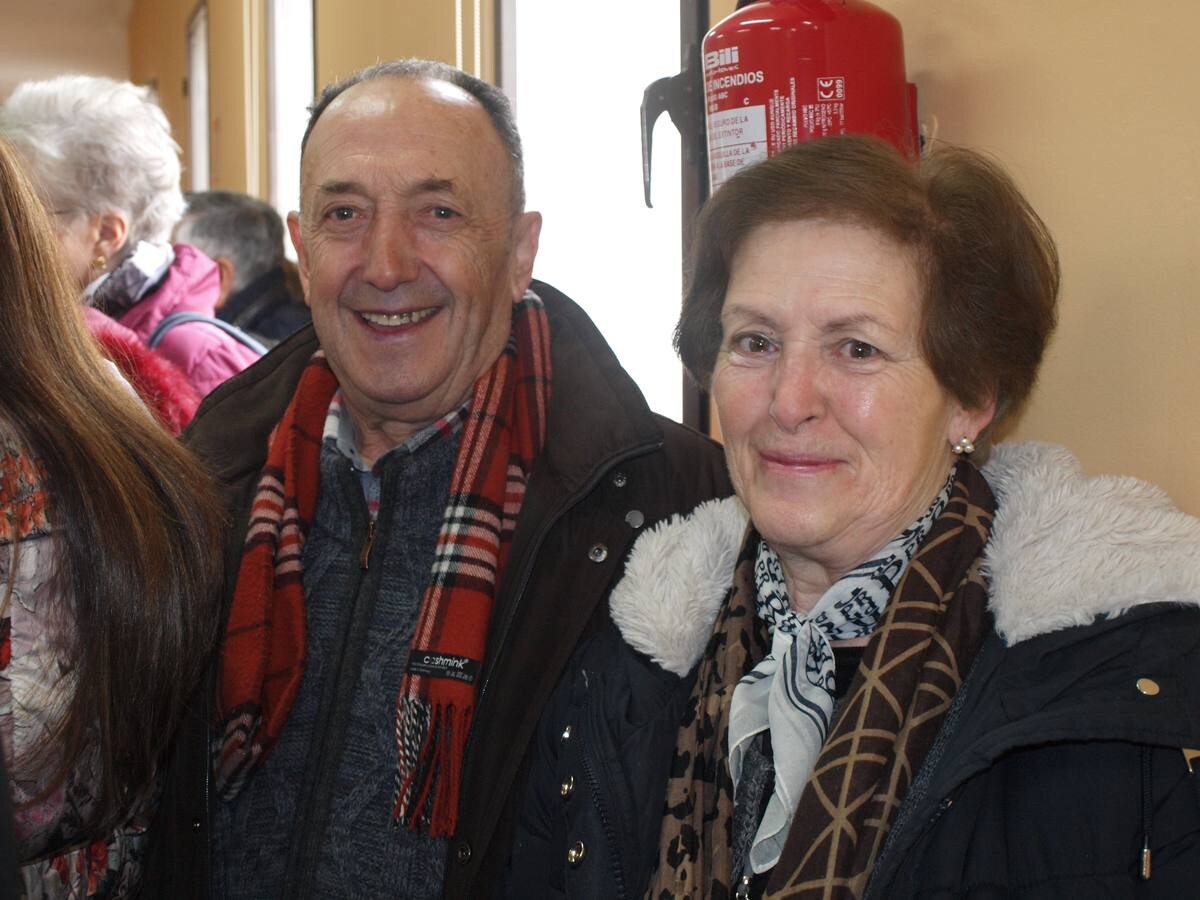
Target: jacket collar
column 191, row 284
column 1065, row 549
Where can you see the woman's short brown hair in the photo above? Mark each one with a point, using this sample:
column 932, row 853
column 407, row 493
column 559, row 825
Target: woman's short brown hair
column 988, row 265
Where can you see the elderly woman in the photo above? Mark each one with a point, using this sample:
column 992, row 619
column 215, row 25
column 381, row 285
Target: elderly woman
column 101, row 154
column 907, row 676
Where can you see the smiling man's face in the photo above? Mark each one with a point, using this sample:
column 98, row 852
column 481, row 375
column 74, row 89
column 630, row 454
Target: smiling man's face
column 410, row 250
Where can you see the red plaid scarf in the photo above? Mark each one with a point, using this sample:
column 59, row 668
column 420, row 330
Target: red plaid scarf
column 262, row 661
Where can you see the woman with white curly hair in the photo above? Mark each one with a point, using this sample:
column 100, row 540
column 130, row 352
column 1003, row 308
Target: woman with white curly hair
column 101, row 154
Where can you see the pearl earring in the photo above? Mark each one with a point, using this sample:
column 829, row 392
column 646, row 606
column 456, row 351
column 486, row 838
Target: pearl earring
column 964, row 447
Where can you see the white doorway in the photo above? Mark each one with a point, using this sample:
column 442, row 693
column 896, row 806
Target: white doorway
column 576, row 77
column 290, row 88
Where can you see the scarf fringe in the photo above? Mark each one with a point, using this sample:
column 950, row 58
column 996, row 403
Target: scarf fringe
column 235, row 751
column 427, row 789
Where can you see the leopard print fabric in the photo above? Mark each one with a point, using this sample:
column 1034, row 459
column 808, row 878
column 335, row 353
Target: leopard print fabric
column 697, row 835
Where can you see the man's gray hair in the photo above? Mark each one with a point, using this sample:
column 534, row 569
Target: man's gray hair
column 95, row 144
column 490, row 97
column 241, row 228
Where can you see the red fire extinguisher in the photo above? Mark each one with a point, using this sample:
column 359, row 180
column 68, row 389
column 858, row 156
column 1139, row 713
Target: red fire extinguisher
column 778, row 72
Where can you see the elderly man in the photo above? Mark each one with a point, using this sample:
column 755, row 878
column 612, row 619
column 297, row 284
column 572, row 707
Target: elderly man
column 432, row 491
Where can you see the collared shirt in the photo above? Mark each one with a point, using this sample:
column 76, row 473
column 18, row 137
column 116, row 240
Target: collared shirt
column 340, row 434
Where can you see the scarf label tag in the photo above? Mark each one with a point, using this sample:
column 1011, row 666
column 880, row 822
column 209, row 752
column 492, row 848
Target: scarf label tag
column 443, row 665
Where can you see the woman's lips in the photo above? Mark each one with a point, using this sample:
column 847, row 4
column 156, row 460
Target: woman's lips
column 798, row 463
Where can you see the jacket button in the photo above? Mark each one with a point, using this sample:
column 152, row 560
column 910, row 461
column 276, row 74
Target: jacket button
column 620, row 479
column 576, row 853
column 598, row 553
column 567, row 788
column 634, row 518
column 197, row 824
column 566, row 734
column 1148, row 686
column 463, row 853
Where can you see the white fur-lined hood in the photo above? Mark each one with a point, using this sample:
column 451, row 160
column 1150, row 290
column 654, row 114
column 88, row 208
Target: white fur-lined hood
column 1064, row 550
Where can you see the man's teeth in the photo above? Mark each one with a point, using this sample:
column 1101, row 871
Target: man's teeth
column 395, row 319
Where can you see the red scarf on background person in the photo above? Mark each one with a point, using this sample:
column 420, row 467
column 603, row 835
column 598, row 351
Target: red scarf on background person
column 262, row 661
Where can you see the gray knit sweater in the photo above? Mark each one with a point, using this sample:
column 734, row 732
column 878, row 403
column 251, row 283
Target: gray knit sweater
column 315, row 819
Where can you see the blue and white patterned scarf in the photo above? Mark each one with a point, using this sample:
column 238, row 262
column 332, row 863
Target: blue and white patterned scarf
column 790, row 693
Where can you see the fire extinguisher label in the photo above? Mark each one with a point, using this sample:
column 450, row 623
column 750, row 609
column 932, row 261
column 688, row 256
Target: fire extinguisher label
column 831, row 88
column 828, row 114
column 736, row 138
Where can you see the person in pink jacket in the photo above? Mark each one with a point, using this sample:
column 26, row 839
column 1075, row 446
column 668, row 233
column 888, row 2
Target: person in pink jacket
column 101, row 154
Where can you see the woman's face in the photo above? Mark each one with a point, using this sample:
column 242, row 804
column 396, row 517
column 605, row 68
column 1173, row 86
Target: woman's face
column 836, row 432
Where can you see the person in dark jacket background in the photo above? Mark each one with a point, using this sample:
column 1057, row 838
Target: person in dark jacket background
column 432, row 488
column 879, row 670
column 244, row 237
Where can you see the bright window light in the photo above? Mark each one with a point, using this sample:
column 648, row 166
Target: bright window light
column 289, row 93
column 600, row 245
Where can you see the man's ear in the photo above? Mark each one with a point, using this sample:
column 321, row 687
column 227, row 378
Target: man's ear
column 112, row 231
column 526, row 232
column 293, row 224
column 225, row 269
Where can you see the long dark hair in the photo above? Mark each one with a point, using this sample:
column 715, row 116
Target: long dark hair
column 137, row 522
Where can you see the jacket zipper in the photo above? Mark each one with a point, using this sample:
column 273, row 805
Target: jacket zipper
column 364, row 558
column 610, row 835
column 301, row 867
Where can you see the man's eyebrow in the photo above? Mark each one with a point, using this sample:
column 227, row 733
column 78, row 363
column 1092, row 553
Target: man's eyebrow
column 433, row 186
column 340, row 187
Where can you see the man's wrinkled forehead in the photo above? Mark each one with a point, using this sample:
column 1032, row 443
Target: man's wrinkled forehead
column 408, row 129
column 386, row 97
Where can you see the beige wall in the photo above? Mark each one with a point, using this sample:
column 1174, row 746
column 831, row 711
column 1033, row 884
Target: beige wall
column 236, row 86
column 158, row 57
column 37, row 43
column 349, row 34
column 356, row 33
column 1091, row 105
column 236, row 47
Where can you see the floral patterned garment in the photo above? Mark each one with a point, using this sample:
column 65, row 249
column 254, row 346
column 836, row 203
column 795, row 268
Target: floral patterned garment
column 58, row 860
